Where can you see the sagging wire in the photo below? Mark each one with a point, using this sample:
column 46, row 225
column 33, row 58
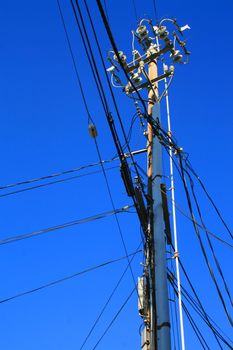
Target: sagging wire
column 69, row 277
column 114, row 318
column 20, row 237
column 55, row 182
column 108, row 300
column 201, row 242
column 196, row 307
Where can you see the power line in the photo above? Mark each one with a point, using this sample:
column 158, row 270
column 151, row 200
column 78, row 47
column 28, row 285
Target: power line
column 200, row 312
column 99, row 85
column 208, row 239
column 155, row 10
column 94, row 68
column 202, row 245
column 135, row 10
column 114, row 318
column 46, row 177
column 73, row 60
column 76, row 274
column 198, row 300
column 172, row 143
column 107, row 302
column 65, row 225
column 109, row 117
column 188, row 164
column 55, row 182
column 185, row 214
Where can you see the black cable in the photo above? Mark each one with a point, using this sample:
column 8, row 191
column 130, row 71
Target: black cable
column 190, row 318
column 196, row 307
column 196, row 329
column 172, row 308
column 67, row 224
column 107, row 302
column 201, row 243
column 106, row 75
column 108, row 114
column 55, row 182
column 99, row 85
column 208, row 238
column 114, row 319
column 199, row 311
column 46, row 177
column 111, row 38
column 182, row 211
column 173, row 144
column 92, row 65
column 116, row 217
column 63, row 279
column 155, row 11
column 135, row 10
column 73, row 60
column 106, row 10
column 199, row 301
column 188, row 164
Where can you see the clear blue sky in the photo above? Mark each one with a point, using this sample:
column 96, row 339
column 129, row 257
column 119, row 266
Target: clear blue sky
column 44, row 131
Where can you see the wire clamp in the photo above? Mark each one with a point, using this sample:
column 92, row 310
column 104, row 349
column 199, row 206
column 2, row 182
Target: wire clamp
column 176, row 255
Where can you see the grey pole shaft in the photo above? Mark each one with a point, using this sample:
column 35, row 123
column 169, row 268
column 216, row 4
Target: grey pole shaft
column 160, row 267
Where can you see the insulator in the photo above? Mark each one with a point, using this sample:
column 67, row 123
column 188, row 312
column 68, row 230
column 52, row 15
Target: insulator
column 136, row 78
column 176, row 56
column 121, row 55
column 92, row 131
column 163, row 32
column 171, row 69
column 142, row 32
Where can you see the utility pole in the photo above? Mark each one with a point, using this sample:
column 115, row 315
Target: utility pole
column 153, row 285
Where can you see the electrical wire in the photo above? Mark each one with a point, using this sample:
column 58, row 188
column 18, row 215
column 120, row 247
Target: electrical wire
column 167, row 88
column 109, row 85
column 198, row 301
column 155, row 11
column 208, row 239
column 185, row 214
column 108, row 114
column 73, row 60
column 190, row 318
column 91, row 59
column 46, row 177
column 188, row 164
column 55, row 182
column 76, row 274
column 114, row 319
column 116, row 217
column 173, row 143
column 92, row 64
column 199, row 311
column 111, row 38
column 65, row 225
column 107, row 302
column 201, row 243
column 135, row 10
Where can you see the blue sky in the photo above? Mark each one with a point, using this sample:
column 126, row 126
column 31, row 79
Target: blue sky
column 44, row 131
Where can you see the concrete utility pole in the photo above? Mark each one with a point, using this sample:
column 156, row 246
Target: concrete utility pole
column 160, row 322
column 153, row 285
